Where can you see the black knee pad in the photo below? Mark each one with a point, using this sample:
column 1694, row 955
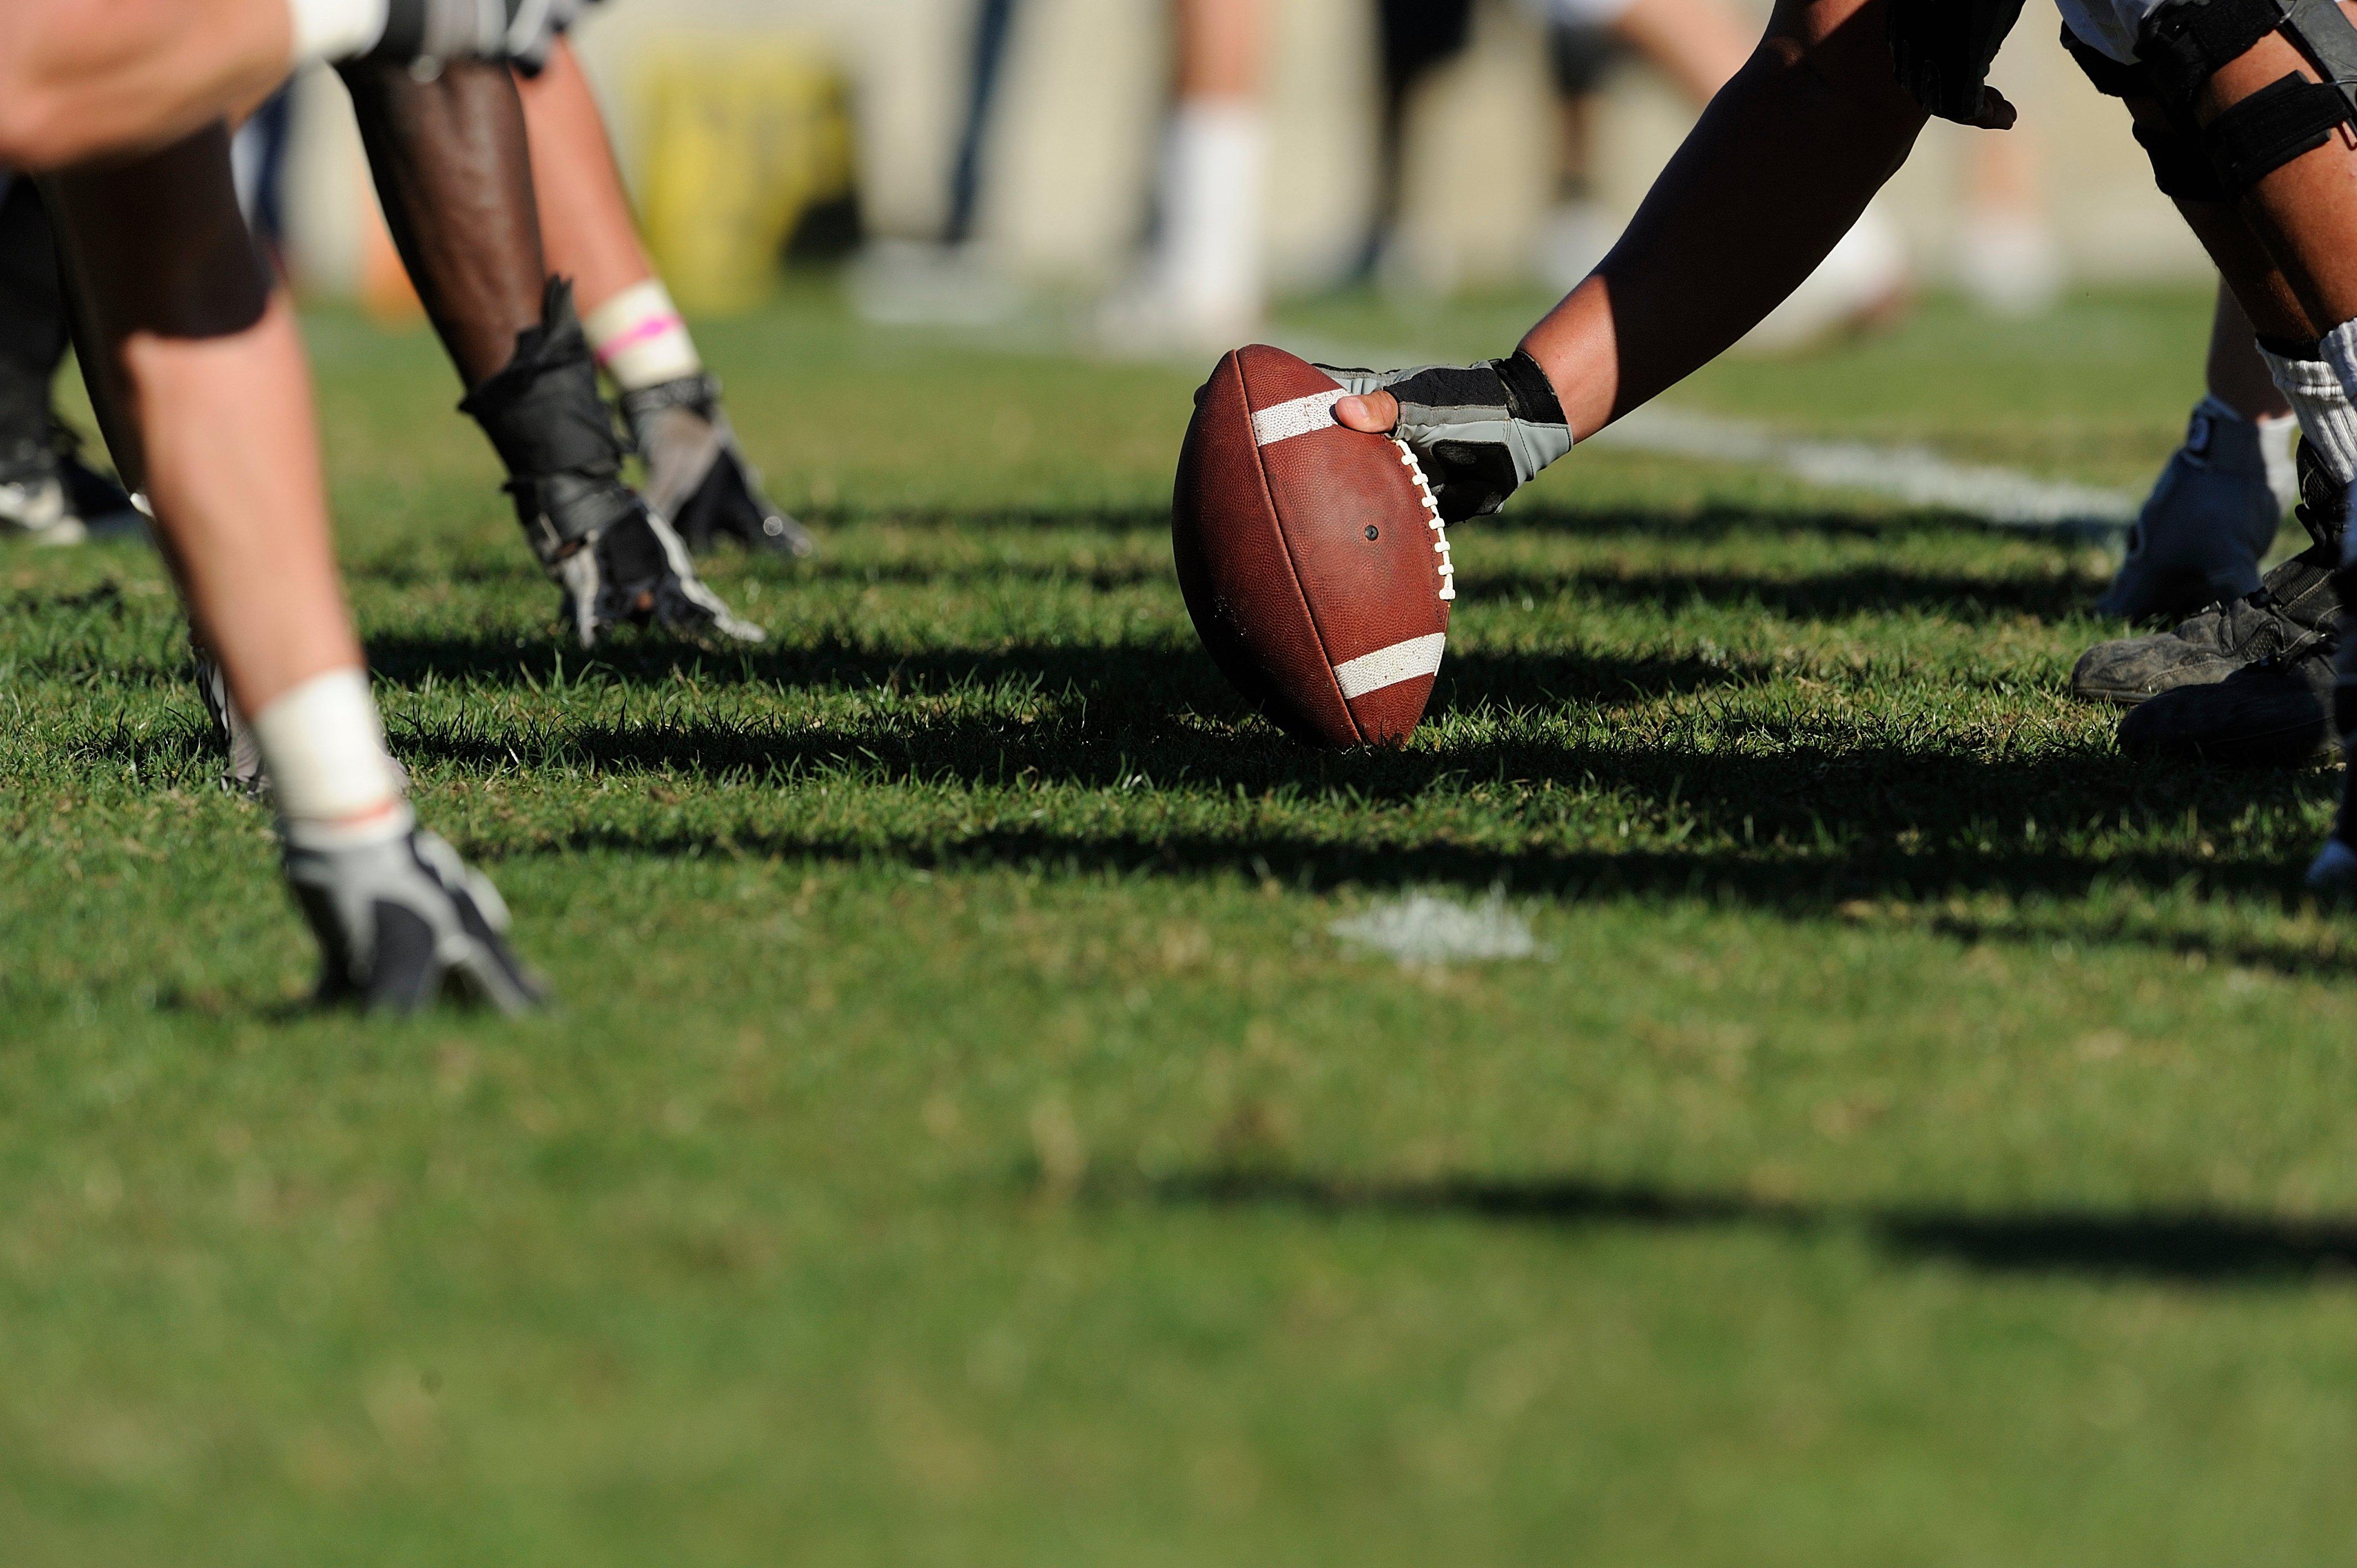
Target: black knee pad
column 2185, row 42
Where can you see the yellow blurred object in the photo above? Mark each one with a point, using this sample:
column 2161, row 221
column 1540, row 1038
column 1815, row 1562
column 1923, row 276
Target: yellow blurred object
column 743, row 140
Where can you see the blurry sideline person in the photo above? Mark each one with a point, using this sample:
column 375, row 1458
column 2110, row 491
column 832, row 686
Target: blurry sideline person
column 200, row 371
column 2241, row 128
column 1695, row 46
column 1204, row 282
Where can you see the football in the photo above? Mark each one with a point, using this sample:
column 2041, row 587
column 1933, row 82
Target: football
column 1312, row 557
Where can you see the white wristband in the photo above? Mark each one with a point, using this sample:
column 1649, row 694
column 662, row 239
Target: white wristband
column 324, row 746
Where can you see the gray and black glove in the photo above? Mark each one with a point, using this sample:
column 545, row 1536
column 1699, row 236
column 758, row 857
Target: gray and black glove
column 1481, row 432
column 1943, row 49
column 402, row 921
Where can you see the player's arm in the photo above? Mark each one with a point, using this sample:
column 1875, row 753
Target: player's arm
column 78, row 77
column 1775, row 172
column 1778, row 169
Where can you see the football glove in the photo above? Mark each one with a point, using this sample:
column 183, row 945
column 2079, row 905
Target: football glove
column 1942, row 50
column 1482, row 432
column 697, row 476
column 637, row 572
column 402, row 921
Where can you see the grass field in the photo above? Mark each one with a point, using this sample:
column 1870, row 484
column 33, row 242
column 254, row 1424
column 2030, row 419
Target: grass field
column 1919, row 1136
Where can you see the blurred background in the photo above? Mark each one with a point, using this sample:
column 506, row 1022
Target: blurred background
column 959, row 153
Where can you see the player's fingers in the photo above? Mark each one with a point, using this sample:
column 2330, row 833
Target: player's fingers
column 1996, row 114
column 1376, row 414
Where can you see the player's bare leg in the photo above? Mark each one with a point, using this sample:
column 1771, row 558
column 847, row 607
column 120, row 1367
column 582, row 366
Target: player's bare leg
column 197, row 360
column 698, row 474
column 83, row 77
column 454, row 170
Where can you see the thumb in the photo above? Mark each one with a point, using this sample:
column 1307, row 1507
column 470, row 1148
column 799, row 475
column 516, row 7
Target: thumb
column 1377, row 413
column 1995, row 113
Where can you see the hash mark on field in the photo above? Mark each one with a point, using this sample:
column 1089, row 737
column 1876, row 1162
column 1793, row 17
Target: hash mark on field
column 1424, row 928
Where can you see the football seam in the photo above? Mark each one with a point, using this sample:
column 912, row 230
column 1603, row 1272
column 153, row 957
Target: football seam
column 1293, row 567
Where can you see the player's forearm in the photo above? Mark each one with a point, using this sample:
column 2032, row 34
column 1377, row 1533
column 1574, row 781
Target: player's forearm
column 1774, row 174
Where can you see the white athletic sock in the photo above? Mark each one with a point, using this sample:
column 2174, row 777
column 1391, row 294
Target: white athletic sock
column 1213, row 174
column 641, row 339
column 335, row 30
column 2314, row 390
column 329, row 774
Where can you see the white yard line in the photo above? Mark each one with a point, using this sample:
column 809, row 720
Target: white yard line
column 2003, row 498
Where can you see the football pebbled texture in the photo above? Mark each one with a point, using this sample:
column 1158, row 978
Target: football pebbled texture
column 1312, row 557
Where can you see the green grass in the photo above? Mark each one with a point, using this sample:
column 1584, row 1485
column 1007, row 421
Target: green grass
column 1921, row 1137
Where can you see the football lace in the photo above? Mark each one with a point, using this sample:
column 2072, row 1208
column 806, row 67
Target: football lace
column 1432, row 518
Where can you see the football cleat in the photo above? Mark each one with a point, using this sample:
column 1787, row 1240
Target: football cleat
column 2206, row 526
column 243, row 774
column 1482, row 432
column 49, row 495
column 698, row 477
column 402, row 922
column 2293, row 617
column 2275, row 713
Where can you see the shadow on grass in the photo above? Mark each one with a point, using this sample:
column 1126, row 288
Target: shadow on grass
column 1150, row 683
column 2184, row 1246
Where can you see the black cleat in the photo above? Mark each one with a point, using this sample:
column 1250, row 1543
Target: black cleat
column 2293, row 617
column 404, row 922
column 49, row 495
column 2278, row 713
column 698, row 477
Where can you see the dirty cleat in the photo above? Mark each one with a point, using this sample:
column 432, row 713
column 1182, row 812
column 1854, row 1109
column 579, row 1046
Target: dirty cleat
column 2206, row 526
column 2294, row 614
column 698, row 477
column 2278, row 713
column 402, row 922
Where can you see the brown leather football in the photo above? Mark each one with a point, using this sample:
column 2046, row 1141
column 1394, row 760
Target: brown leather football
column 1312, row 557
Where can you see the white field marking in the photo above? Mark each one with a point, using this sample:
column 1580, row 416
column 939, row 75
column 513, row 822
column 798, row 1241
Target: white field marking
column 1417, row 657
column 1299, row 417
column 2002, row 498
column 1918, row 476
column 1424, row 928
